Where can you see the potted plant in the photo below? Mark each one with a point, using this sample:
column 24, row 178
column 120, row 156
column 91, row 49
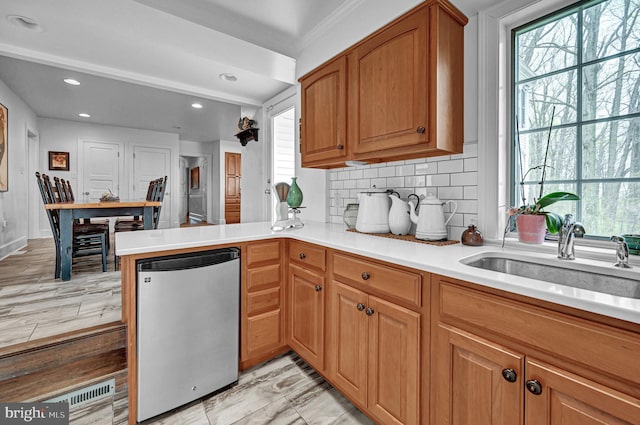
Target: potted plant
column 531, row 218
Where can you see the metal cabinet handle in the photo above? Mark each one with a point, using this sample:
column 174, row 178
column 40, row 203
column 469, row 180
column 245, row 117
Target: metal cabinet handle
column 340, row 147
column 420, row 130
column 302, row 256
column 365, row 275
column 534, row 386
column 369, row 311
column 318, row 288
column 360, row 306
column 509, row 375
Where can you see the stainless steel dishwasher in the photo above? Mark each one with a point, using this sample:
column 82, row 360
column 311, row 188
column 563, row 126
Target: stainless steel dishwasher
column 188, row 318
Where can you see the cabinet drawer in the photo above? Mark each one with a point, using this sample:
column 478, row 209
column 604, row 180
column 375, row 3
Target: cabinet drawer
column 263, row 251
column 265, row 332
column 263, row 277
column 398, row 283
column 308, row 255
column 265, row 300
column 562, row 335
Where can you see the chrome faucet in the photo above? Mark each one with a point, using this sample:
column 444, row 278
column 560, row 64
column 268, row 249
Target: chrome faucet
column 622, row 252
column 566, row 237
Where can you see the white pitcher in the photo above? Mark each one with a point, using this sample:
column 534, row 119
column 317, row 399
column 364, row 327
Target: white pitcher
column 430, row 221
column 399, row 215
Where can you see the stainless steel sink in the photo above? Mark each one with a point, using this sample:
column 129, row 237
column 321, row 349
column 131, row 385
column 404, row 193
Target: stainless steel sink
column 599, row 279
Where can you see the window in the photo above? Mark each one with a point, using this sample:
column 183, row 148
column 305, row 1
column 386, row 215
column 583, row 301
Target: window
column 584, row 61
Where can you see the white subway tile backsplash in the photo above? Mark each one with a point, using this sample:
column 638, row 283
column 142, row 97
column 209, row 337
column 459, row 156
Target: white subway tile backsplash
column 467, row 206
column 405, row 170
column 447, row 177
column 471, row 192
column 363, row 184
column 471, row 164
column 337, row 184
column 380, row 183
column 370, row 173
column 438, row 180
column 387, row 172
column 356, row 174
column 453, row 166
column 395, row 182
column 450, row 192
column 415, row 181
column 464, row 179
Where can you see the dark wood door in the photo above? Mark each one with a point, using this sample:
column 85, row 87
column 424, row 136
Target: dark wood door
column 233, row 173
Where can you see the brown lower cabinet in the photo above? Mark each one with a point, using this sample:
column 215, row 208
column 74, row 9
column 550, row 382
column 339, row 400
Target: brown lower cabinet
column 408, row 347
column 376, row 354
column 262, row 306
column 503, row 362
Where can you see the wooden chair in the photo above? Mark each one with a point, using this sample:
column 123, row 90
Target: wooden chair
column 84, row 244
column 64, row 193
column 155, row 192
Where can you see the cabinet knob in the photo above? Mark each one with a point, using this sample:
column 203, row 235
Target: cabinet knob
column 365, row 275
column 340, row 147
column 302, row 256
column 509, row 374
column 534, row 386
column 369, row 311
column 420, row 130
column 318, row 288
column 360, row 306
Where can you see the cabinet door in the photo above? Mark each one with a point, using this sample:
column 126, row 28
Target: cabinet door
column 469, row 386
column 388, row 87
column 306, row 315
column 394, row 362
column 349, row 341
column 569, row 399
column 324, row 124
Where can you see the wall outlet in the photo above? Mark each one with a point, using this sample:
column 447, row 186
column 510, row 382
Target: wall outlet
column 4, row 223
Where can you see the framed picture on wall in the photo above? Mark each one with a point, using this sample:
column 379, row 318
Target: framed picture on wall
column 195, row 178
column 4, row 145
column 59, row 161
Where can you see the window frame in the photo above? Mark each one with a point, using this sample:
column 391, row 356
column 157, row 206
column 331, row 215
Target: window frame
column 579, row 124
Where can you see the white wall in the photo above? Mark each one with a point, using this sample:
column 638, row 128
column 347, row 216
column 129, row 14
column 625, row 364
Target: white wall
column 61, row 135
column 14, row 204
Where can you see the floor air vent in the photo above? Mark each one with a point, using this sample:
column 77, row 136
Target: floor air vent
column 87, row 394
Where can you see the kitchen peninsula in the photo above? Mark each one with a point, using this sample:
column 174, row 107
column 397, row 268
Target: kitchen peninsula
column 370, row 304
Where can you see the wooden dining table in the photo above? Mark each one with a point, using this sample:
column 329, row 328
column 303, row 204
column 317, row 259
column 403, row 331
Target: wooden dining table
column 70, row 211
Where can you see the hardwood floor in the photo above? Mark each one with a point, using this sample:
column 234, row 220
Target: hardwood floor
column 282, row 391
column 34, row 305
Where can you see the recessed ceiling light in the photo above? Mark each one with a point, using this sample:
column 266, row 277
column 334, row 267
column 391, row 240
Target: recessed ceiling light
column 196, row 105
column 71, row 81
column 25, row 22
column 228, row 77
column 84, row 115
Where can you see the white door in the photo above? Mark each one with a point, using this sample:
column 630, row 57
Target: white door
column 184, row 191
column 102, row 166
column 150, row 163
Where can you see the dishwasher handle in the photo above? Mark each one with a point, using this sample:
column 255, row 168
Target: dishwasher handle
column 190, row 260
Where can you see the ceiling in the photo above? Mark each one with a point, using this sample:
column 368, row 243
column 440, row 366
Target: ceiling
column 142, row 63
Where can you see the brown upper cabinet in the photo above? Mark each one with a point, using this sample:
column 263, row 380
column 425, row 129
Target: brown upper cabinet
column 397, row 94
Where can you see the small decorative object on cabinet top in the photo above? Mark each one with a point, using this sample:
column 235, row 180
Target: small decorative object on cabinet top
column 472, row 236
column 247, row 130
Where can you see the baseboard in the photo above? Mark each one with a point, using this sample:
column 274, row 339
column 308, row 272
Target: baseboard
column 11, row 247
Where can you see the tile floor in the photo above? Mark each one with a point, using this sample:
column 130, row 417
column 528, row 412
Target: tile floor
column 284, row 390
column 34, row 305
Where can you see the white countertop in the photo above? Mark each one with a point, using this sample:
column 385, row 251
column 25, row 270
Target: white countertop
column 442, row 260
